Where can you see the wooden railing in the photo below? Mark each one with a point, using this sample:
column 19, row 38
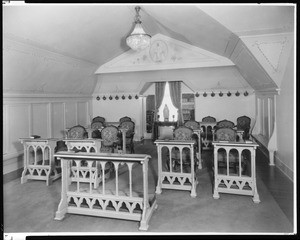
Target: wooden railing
column 107, row 200
column 199, row 155
column 170, row 177
column 234, row 169
column 39, row 163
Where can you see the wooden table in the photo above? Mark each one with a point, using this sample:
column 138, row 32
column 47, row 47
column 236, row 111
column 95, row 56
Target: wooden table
column 161, row 124
column 39, row 162
column 242, row 178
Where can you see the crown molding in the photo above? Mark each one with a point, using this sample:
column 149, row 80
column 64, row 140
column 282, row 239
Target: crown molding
column 18, row 44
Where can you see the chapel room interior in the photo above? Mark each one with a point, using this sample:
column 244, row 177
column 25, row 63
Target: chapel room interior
column 188, row 129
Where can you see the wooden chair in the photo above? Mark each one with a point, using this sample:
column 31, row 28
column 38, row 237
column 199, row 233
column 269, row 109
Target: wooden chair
column 110, row 138
column 130, row 126
column 77, row 132
column 222, row 124
column 207, row 125
column 97, row 127
column 99, row 119
column 243, row 124
column 78, row 170
column 226, row 134
column 193, row 125
column 183, row 133
column 110, row 142
column 124, row 119
column 208, row 119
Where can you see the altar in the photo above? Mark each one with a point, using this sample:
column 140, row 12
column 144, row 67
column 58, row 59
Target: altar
column 163, row 130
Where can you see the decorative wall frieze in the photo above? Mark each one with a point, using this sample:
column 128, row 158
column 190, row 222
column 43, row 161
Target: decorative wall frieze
column 224, row 93
column 116, row 97
column 164, row 53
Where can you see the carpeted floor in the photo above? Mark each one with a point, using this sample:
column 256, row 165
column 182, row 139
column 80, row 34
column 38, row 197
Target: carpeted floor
column 31, row 207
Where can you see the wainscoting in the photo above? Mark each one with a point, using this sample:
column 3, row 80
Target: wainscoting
column 43, row 115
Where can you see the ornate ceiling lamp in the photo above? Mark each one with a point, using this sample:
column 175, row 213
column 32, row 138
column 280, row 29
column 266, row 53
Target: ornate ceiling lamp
column 138, row 39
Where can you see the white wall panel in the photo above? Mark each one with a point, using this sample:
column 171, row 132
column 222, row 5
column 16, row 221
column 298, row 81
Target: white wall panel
column 40, row 119
column 70, row 114
column 18, row 124
column 13, row 164
column 57, row 120
column 25, row 114
column 225, row 107
column 113, row 110
column 82, row 113
column 5, row 128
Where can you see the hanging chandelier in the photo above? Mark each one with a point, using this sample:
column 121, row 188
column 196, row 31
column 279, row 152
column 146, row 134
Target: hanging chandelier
column 138, row 39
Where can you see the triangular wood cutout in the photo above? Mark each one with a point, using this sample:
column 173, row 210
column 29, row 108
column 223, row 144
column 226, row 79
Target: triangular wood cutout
column 164, row 53
column 272, row 52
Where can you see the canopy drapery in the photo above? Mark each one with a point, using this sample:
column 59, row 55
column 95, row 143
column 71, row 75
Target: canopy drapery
column 175, row 92
column 159, row 95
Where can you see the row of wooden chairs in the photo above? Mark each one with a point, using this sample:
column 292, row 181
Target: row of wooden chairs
column 242, row 124
column 224, row 130
column 110, row 134
column 99, row 122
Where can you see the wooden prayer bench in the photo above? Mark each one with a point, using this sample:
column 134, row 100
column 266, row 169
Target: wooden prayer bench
column 39, row 163
column 235, row 168
column 176, row 178
column 106, row 201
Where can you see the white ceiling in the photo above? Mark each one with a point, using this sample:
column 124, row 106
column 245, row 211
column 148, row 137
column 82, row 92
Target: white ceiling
column 252, row 19
column 95, row 33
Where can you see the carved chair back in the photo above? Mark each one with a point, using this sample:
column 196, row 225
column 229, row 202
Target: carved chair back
column 124, row 119
column 77, row 132
column 129, row 125
column 225, row 124
column 109, row 135
column 98, row 119
column 243, row 123
column 97, row 125
column 192, row 124
column 183, row 133
column 208, row 119
column 226, row 134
